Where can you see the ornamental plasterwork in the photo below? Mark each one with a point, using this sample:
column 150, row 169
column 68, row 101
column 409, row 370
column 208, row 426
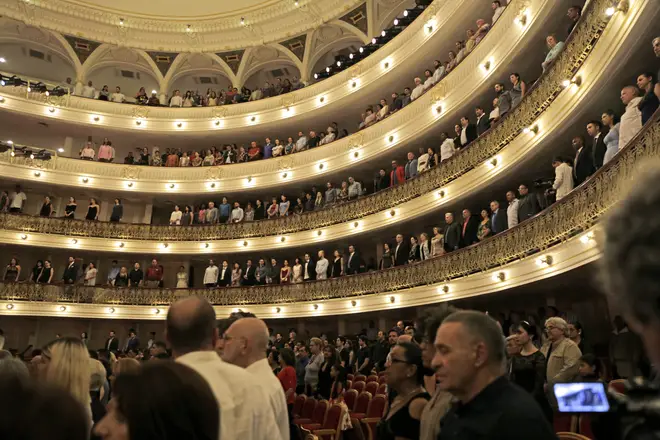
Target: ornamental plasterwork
column 276, row 22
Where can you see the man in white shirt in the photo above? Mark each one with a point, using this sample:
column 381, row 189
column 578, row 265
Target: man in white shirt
column 89, row 91
column 447, row 148
column 236, row 213
column 118, row 96
column 631, row 119
column 176, row 100
column 512, row 209
column 563, row 178
column 322, row 266
column 192, row 334
column 418, row 90
column 430, row 81
column 246, row 345
column 354, row 188
column 497, row 10
column 301, row 143
column 211, row 274
column 18, row 199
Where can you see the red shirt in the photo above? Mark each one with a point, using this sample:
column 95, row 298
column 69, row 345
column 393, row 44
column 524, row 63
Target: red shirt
column 287, row 378
column 154, row 273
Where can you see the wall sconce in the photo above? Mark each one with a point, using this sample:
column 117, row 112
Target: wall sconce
column 499, row 277
column 354, row 303
column 51, row 109
column 164, row 245
column 545, row 261
column 179, row 124
column 62, row 308
column 207, row 245
column 283, row 239
column 156, row 311
column 322, row 98
column 493, row 162
column 533, row 129
column 316, row 306
column 319, row 233
column 320, row 166
column 429, row 28
column 441, row 194
column 521, row 19
column 254, row 118
column 392, row 213
column 111, row 310
column 10, row 306
column 122, row 244
column 353, row 84
column 172, row 186
column 138, row 122
column 24, row 236
column 620, row 6
column 249, row 179
column 74, row 241
column 445, row 289
column 356, row 224
column 278, row 310
column 212, row 185
column 392, row 299
column 356, row 154
column 391, row 138
column 438, row 109
column 2, row 99
column 386, row 65
column 130, row 184
column 486, row 66
column 245, row 243
column 284, row 175
column 217, row 122
column 96, row 118
column 586, row 238
column 36, row 173
column 569, row 82
column 85, row 179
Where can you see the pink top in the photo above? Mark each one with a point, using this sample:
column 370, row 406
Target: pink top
column 106, row 152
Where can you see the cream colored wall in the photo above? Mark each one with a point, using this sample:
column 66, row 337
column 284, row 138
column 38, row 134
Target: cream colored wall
column 111, row 77
column 19, row 62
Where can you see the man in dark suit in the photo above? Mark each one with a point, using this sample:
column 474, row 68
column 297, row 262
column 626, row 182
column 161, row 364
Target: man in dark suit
column 401, row 251
column 71, row 272
column 353, row 262
column 528, row 204
column 224, row 274
column 112, row 343
column 468, row 131
column 452, row 233
column 594, row 129
column 498, row 219
column 469, row 229
column 383, row 180
column 583, row 166
column 309, row 268
column 250, row 276
column 133, row 343
column 482, row 121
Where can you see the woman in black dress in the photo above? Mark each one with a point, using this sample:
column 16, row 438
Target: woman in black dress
column 337, row 269
column 187, row 217
column 405, row 376
column 46, row 274
column 528, row 368
column 36, row 271
column 92, row 210
column 387, row 260
column 325, row 378
column 414, row 254
column 70, row 209
column 117, row 211
column 46, row 208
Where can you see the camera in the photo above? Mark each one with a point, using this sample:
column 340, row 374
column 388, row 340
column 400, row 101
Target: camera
column 634, row 415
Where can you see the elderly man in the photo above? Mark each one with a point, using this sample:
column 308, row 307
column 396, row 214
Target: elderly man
column 418, row 90
column 564, row 364
column 192, row 335
column 411, row 166
column 469, row 361
column 246, row 345
column 322, row 266
column 631, row 120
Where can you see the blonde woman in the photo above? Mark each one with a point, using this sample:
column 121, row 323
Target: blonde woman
column 66, row 366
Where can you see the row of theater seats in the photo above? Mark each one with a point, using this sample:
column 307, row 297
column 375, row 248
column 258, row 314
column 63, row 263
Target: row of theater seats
column 365, row 399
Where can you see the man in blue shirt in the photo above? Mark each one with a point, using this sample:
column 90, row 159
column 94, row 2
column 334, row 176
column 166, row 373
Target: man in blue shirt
column 302, row 359
column 268, row 149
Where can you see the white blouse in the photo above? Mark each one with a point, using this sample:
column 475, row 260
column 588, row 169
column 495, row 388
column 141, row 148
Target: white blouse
column 175, row 218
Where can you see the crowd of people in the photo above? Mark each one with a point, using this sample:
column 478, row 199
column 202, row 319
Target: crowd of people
column 191, row 98
column 237, row 378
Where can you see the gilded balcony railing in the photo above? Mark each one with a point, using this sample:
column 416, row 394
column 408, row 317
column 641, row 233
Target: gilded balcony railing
column 573, row 214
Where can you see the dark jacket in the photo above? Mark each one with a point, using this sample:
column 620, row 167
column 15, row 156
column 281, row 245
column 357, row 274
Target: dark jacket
column 598, row 152
column 226, row 280
column 482, row 124
column 469, row 231
column 383, row 182
column 114, row 344
column 133, row 344
column 353, row 264
column 584, row 165
column 528, row 207
column 401, row 257
column 70, row 274
column 470, row 133
column 250, row 276
column 311, row 269
column 499, row 222
column 135, row 276
column 452, row 237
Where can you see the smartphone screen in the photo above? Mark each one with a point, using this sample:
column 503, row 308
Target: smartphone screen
column 581, row 397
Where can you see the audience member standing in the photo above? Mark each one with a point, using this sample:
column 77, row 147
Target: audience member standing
column 192, row 335
column 469, row 360
column 401, row 251
column 631, row 120
column 528, row 206
column 452, row 235
column 313, row 366
column 563, row 183
column 583, row 165
column 562, row 354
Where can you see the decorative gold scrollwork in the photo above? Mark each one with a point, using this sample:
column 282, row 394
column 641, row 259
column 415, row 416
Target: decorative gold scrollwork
column 139, row 112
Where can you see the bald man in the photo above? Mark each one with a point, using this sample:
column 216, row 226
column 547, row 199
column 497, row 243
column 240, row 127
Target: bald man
column 192, row 335
column 246, row 344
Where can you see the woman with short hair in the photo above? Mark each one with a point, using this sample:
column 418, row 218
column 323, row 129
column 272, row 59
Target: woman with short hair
column 562, row 357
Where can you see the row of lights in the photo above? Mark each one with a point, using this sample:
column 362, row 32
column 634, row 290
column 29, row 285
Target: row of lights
column 343, row 62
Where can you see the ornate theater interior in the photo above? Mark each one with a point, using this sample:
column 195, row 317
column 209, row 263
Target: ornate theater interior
column 331, row 167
